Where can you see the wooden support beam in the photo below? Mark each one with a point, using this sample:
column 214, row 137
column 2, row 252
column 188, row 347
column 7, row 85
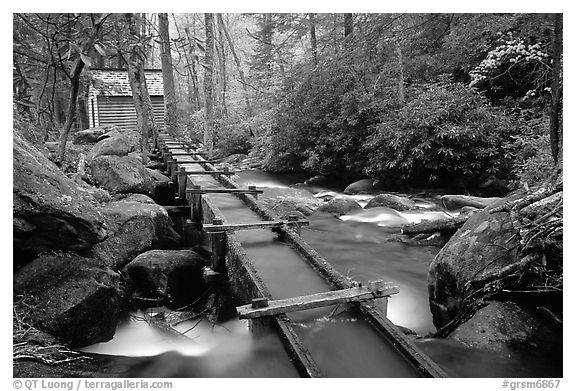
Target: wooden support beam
column 173, row 143
column 207, row 161
column 218, row 240
column 196, row 205
column 294, row 219
column 192, row 153
column 219, row 172
column 224, row 191
column 173, row 170
column 247, row 226
column 381, row 290
column 182, row 183
column 163, row 151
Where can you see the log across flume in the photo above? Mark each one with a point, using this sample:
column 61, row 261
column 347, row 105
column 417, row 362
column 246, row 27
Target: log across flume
column 236, row 242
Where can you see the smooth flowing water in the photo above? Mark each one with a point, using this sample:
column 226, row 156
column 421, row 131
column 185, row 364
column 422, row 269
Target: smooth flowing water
column 363, row 246
column 360, row 246
column 342, row 345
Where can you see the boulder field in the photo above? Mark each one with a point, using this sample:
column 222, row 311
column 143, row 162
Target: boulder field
column 72, row 241
column 50, row 211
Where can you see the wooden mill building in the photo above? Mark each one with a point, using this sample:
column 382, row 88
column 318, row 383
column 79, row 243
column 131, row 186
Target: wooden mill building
column 110, row 98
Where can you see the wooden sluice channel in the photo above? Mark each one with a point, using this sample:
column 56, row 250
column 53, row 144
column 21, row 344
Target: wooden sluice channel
column 230, row 261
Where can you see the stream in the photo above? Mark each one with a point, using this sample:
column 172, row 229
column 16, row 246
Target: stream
column 362, row 246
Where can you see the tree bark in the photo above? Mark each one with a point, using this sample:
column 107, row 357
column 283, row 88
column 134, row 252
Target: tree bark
column 192, row 70
column 237, row 61
column 140, row 96
column 84, row 122
column 70, row 114
column 208, row 84
column 313, row 43
column 222, row 62
column 170, row 115
column 348, row 25
column 58, row 115
column 556, row 88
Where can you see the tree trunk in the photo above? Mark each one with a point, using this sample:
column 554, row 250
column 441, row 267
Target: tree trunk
column 222, row 62
column 348, row 24
column 313, row 43
column 70, row 115
column 237, row 61
column 208, row 86
column 83, row 108
column 140, row 96
column 170, row 116
column 192, row 69
column 556, row 88
column 58, row 114
column 401, row 88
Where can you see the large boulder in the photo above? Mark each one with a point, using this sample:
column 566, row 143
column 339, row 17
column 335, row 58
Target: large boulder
column 484, row 245
column 50, row 212
column 317, row 180
column 168, row 277
column 131, row 135
column 158, row 178
column 122, row 174
column 92, row 135
column 285, row 201
column 234, row 158
column 391, row 201
column 339, row 206
column 363, row 186
column 137, row 224
column 74, row 298
column 118, row 145
column 100, row 195
column 505, row 325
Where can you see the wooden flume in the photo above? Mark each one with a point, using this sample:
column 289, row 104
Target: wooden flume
column 371, row 300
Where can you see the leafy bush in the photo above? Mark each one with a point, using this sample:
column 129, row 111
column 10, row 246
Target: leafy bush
column 231, row 139
column 513, row 69
column 533, row 161
column 322, row 123
column 447, row 133
column 195, row 125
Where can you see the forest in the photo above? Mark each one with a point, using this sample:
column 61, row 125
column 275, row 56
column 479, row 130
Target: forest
column 171, row 169
column 411, row 99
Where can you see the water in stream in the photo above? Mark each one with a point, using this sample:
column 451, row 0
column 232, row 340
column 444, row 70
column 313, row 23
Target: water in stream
column 360, row 246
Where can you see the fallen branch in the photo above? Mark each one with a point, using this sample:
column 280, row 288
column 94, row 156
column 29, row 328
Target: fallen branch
column 436, row 226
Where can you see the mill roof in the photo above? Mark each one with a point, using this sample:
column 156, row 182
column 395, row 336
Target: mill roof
column 114, row 82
